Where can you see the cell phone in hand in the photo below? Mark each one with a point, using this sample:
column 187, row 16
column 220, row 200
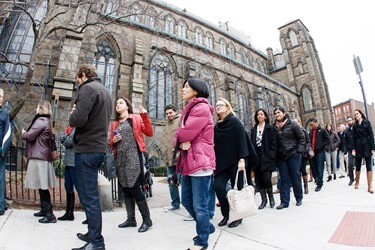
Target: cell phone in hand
column 115, row 132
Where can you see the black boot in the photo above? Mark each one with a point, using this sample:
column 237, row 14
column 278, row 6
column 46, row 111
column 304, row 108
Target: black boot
column 69, row 207
column 264, row 199
column 329, row 178
column 42, row 211
column 50, row 217
column 145, row 212
column 305, row 184
column 270, row 197
column 130, row 210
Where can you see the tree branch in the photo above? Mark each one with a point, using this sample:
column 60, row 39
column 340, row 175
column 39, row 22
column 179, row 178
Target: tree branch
column 5, row 59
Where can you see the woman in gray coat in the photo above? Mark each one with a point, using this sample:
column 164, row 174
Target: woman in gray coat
column 40, row 172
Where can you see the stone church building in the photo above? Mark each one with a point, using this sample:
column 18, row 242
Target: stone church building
column 145, row 50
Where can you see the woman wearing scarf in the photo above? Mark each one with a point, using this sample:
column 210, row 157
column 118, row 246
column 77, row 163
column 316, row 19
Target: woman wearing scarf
column 40, row 172
column 290, row 146
column 232, row 147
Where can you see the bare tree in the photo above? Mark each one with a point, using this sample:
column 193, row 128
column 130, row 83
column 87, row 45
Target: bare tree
column 63, row 16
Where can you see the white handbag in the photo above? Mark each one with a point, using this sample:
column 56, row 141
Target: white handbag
column 241, row 202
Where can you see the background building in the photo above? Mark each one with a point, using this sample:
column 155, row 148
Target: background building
column 345, row 109
column 145, row 50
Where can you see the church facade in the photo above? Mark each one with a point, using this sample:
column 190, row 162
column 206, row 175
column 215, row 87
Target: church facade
column 145, row 50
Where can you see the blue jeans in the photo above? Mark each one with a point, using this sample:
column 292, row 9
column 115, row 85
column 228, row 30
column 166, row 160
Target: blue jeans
column 70, row 179
column 173, row 191
column 195, row 198
column 87, row 165
column 317, row 164
column 211, row 199
column 290, row 174
column 3, row 204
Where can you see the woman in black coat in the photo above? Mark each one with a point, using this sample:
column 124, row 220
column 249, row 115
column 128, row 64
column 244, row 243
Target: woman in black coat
column 363, row 147
column 263, row 137
column 231, row 150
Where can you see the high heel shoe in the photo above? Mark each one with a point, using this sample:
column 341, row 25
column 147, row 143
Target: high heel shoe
column 235, row 223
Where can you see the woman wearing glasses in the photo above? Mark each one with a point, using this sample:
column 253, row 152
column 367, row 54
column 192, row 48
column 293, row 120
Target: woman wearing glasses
column 363, row 147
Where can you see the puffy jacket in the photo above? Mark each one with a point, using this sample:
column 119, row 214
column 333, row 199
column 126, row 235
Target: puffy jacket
column 290, row 140
column 141, row 125
column 38, row 140
column 198, row 129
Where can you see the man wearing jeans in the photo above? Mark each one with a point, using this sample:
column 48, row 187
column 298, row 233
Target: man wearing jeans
column 6, row 138
column 319, row 140
column 90, row 117
column 173, row 122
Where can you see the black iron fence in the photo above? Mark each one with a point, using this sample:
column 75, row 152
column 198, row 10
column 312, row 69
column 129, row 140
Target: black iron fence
column 15, row 175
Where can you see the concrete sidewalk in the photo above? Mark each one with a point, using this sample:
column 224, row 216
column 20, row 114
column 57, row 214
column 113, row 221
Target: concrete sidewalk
column 307, row 227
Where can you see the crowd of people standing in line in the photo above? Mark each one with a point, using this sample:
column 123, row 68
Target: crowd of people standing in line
column 205, row 146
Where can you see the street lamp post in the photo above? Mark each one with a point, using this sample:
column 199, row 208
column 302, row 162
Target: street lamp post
column 358, row 70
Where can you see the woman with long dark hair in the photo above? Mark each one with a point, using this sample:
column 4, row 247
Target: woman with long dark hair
column 363, row 147
column 128, row 144
column 40, row 172
column 263, row 137
column 197, row 157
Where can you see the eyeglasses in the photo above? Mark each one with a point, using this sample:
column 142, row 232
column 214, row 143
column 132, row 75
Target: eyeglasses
column 220, row 105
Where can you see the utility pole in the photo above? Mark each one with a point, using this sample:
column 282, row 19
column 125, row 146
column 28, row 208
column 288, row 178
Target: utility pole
column 358, row 70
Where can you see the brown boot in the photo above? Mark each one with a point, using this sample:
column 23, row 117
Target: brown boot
column 357, row 174
column 369, row 182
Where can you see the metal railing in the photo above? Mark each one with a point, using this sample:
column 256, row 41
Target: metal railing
column 15, row 175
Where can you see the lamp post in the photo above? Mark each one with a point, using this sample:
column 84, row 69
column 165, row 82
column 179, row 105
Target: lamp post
column 358, row 70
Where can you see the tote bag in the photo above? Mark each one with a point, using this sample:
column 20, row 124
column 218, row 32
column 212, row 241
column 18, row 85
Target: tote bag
column 241, row 202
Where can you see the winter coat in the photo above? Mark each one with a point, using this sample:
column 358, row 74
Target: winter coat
column 290, row 140
column 91, row 117
column 349, row 140
column 321, row 141
column 141, row 125
column 334, row 142
column 38, row 140
column 342, row 145
column 198, row 129
column 168, row 136
column 363, row 139
column 267, row 158
column 67, row 142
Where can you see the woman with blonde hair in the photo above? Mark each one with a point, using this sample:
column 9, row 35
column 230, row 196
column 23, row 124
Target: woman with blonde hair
column 232, row 149
column 40, row 172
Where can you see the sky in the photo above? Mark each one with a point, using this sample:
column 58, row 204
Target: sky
column 340, row 29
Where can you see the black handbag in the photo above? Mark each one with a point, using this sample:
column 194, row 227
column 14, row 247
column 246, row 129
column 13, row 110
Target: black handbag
column 109, row 164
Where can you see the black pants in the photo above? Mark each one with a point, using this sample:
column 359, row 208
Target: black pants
column 358, row 163
column 220, row 181
column 303, row 166
column 263, row 179
column 134, row 193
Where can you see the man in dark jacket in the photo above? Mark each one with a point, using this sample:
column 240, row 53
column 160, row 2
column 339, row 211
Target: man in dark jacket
column 342, row 151
column 319, row 140
column 90, row 117
column 349, row 143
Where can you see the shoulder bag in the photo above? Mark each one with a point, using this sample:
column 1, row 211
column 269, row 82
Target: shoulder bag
column 109, row 164
column 55, row 154
column 241, row 202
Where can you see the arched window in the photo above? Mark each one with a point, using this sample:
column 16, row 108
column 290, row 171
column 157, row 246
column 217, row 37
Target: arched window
column 135, row 12
column 182, row 29
column 293, row 38
column 150, row 17
column 231, row 51
column 243, row 57
column 243, row 104
column 209, row 41
column 169, row 24
column 307, row 99
column 104, row 63
column 223, row 47
column 18, row 43
column 250, row 60
column 265, row 70
column 198, row 36
column 160, row 88
column 208, row 77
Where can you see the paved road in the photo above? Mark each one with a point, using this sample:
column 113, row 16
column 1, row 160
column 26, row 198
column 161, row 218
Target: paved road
column 307, row 227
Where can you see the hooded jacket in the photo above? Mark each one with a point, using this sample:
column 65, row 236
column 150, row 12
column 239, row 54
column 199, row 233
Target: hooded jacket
column 197, row 127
